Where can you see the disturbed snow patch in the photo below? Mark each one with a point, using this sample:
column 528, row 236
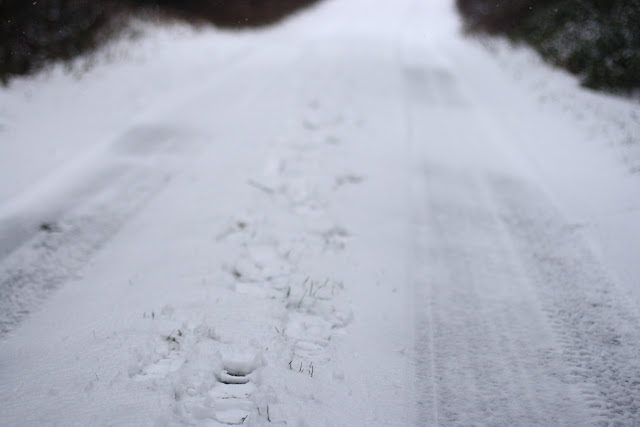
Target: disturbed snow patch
column 233, row 374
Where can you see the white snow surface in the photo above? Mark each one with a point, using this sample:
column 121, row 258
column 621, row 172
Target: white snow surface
column 357, row 217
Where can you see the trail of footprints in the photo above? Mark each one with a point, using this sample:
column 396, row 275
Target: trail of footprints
column 210, row 389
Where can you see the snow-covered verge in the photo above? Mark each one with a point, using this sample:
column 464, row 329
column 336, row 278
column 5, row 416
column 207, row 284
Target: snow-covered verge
column 357, row 218
column 585, row 146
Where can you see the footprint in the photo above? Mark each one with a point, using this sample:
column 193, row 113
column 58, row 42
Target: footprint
column 332, row 140
column 309, row 125
column 224, row 395
column 161, row 368
column 232, row 394
column 335, row 238
column 314, row 105
column 303, row 198
column 312, row 352
column 312, row 335
column 233, row 377
column 347, row 179
column 309, row 328
column 233, row 415
column 240, row 390
column 169, row 358
column 257, row 265
column 238, row 226
column 232, row 402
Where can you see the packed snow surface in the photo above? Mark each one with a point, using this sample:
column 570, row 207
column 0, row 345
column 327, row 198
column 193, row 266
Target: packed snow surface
column 357, row 217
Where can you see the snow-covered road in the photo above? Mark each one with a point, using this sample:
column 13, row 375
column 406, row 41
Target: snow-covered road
column 358, row 217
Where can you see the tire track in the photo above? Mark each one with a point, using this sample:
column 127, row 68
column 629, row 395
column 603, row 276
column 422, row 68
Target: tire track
column 493, row 358
column 116, row 181
column 594, row 322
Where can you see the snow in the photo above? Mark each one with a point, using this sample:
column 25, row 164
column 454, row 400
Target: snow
column 358, row 217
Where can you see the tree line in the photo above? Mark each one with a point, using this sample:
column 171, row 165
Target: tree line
column 35, row 32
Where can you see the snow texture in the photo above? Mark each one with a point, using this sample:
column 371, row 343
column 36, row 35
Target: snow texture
column 359, row 217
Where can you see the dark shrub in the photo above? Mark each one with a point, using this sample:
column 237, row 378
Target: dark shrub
column 497, row 16
column 596, row 39
column 228, row 13
column 35, row 32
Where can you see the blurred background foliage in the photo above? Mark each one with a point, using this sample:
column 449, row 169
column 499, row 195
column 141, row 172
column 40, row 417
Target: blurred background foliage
column 35, row 32
column 599, row 40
